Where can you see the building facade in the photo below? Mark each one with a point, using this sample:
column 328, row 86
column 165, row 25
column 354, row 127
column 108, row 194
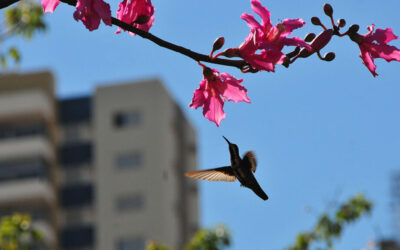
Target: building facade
column 97, row 172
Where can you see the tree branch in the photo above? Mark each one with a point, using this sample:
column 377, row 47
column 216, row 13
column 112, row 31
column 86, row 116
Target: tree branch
column 6, row 3
column 182, row 50
column 160, row 42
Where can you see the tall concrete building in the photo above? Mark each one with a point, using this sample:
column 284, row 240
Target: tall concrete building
column 97, row 172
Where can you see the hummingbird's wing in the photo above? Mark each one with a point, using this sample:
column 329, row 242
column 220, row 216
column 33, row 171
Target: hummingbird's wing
column 215, row 174
column 250, row 160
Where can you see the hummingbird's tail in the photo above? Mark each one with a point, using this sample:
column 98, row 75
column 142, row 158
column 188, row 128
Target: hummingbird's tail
column 258, row 191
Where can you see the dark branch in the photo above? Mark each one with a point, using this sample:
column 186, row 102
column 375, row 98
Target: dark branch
column 160, row 42
column 6, row 3
column 187, row 52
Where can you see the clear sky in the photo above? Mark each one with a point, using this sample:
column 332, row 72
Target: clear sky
column 321, row 131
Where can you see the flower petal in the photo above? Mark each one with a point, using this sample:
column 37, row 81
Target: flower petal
column 213, row 109
column 251, row 21
column 291, row 24
column 49, row 5
column 383, row 36
column 199, row 96
column 387, row 52
column 296, row 41
column 103, row 10
column 368, row 60
column 262, row 12
column 232, row 89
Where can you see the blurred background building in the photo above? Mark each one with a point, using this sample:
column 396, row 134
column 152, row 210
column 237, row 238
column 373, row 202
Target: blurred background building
column 97, row 172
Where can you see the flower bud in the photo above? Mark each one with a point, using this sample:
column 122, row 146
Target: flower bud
column 322, row 39
column 143, row 19
column 341, row 23
column 309, row 37
column 218, row 43
column 353, row 29
column 329, row 56
column 315, row 20
column 328, row 10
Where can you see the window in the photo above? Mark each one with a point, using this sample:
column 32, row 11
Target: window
column 76, row 153
column 76, row 195
column 129, row 202
column 24, row 168
column 127, row 119
column 77, row 236
column 21, row 130
column 136, row 243
column 75, row 110
column 129, row 160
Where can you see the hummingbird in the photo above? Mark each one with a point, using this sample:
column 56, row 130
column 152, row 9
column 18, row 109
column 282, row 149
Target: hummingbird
column 242, row 169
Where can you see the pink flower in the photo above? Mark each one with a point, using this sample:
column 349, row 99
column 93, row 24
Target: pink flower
column 268, row 38
column 262, row 61
column 139, row 13
column 91, row 12
column 374, row 45
column 213, row 90
column 49, row 5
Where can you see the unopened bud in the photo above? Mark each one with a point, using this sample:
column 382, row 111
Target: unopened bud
column 322, row 39
column 329, row 56
column 353, row 29
column 341, row 23
column 315, row 20
column 328, row 10
column 309, row 37
column 218, row 43
column 143, row 19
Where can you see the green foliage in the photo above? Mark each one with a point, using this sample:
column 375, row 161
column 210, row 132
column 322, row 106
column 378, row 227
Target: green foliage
column 16, row 233
column 23, row 20
column 330, row 227
column 204, row 239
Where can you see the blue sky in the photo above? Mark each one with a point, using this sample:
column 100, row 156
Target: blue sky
column 321, row 131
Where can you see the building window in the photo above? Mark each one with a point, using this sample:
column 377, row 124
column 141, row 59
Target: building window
column 76, row 195
column 129, row 202
column 24, row 168
column 129, row 160
column 136, row 243
column 76, row 153
column 22, row 130
column 127, row 119
column 77, row 236
column 75, row 110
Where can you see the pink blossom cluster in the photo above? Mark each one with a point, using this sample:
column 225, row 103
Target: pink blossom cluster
column 139, row 13
column 261, row 49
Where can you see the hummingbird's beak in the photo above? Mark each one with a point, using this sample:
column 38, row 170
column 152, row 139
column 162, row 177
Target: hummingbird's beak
column 227, row 140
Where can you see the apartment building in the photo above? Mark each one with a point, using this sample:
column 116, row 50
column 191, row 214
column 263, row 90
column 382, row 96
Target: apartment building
column 99, row 172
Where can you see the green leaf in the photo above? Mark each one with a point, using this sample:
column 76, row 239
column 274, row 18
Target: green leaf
column 14, row 53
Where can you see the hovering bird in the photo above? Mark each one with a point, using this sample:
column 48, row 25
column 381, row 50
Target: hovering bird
column 242, row 169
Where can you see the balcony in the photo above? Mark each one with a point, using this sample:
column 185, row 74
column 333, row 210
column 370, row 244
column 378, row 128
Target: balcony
column 25, row 191
column 26, row 147
column 25, row 102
